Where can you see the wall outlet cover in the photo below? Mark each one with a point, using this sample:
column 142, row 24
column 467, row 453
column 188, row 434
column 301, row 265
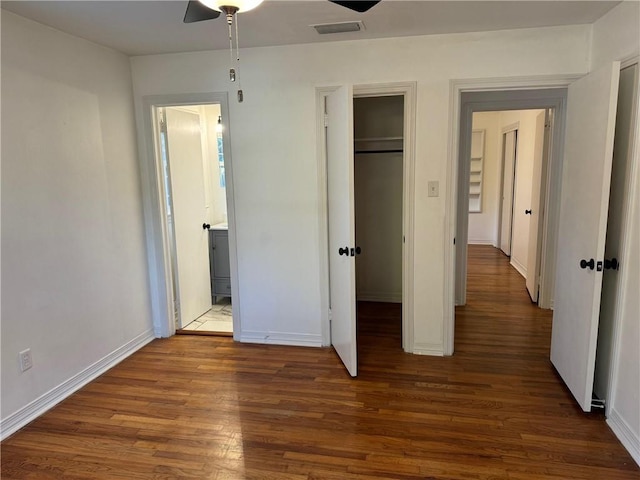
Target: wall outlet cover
column 26, row 362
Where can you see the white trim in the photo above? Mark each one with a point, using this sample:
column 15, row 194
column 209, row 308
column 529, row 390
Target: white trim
column 281, row 338
column 510, row 128
column 625, row 434
column 629, row 61
column 431, row 349
column 323, row 226
column 456, row 88
column 40, row 405
column 156, row 228
column 408, row 90
column 522, row 270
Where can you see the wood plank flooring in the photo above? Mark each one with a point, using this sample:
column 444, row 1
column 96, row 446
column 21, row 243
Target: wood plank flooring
column 208, row 408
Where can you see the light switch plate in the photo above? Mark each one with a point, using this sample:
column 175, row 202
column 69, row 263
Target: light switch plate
column 433, row 188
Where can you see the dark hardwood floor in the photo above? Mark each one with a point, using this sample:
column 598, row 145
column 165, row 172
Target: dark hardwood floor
column 206, row 407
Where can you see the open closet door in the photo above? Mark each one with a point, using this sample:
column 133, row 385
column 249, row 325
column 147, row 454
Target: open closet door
column 586, row 177
column 535, row 210
column 341, row 212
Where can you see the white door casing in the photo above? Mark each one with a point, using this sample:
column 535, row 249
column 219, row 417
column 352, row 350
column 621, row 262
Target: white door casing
column 536, row 207
column 341, row 220
column 508, row 184
column 591, row 112
column 189, row 213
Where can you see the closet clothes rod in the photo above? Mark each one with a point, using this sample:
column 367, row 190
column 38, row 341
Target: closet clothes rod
column 400, row 150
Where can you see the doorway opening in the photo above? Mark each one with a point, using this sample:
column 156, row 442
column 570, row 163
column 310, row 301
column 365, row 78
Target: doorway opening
column 378, row 124
column 384, row 196
column 579, row 175
column 509, row 157
column 191, row 155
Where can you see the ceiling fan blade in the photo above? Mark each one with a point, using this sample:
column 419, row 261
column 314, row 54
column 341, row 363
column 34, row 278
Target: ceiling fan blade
column 197, row 12
column 357, row 6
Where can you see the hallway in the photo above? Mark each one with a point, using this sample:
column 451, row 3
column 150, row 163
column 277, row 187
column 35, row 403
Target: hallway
column 500, row 329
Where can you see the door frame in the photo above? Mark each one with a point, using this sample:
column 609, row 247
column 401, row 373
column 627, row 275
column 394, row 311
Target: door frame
column 408, row 91
column 467, row 96
column 154, row 208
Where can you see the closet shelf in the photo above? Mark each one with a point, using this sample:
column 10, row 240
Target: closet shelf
column 379, row 145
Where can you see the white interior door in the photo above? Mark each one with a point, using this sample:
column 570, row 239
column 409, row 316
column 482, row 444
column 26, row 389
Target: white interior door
column 586, row 177
column 189, row 213
column 536, row 208
column 340, row 195
column 508, row 175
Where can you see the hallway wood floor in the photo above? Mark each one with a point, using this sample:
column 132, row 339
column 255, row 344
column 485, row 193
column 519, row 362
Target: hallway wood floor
column 208, row 408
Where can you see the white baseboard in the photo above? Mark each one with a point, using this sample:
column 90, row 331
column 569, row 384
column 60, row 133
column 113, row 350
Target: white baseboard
column 281, row 338
column 379, row 297
column 474, row 241
column 432, row 349
column 19, row 419
column 522, row 270
column 625, row 434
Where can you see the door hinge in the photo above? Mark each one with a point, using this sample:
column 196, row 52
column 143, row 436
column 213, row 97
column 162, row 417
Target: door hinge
column 176, row 314
column 162, row 122
column 326, row 120
column 330, row 315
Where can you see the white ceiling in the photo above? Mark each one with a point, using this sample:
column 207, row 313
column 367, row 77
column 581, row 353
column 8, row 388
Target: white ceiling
column 151, row 27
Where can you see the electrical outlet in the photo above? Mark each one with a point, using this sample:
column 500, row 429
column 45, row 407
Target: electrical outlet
column 433, row 189
column 26, row 362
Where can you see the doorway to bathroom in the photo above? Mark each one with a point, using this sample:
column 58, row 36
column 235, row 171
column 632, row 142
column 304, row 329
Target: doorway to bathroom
column 191, row 150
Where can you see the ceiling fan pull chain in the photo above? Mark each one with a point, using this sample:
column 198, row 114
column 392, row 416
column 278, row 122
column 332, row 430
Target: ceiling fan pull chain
column 240, row 93
column 232, row 71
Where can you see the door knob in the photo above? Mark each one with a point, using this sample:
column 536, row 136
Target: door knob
column 527, row 212
column 355, row 251
column 611, row 264
column 344, row 251
column 358, row 250
column 206, row 226
column 584, row 264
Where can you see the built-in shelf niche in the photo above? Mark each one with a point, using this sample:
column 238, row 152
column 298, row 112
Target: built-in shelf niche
column 476, row 165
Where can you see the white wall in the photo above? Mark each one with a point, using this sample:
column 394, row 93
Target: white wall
column 526, row 120
column 378, row 200
column 74, row 272
column 483, row 226
column 616, row 36
column 273, row 137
